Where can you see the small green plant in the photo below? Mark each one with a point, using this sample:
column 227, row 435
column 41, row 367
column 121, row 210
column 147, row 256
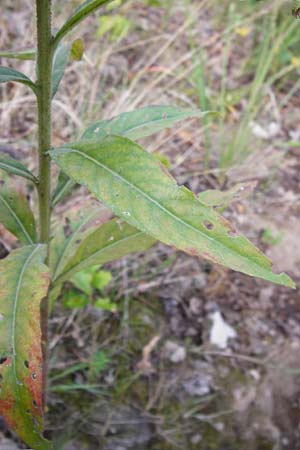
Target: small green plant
column 146, row 200
column 90, row 282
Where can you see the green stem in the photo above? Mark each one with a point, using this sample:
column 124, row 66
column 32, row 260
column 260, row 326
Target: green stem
column 44, row 88
column 44, row 74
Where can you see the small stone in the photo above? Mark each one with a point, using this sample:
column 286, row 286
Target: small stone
column 198, row 384
column 219, row 426
column 196, row 439
column 195, row 306
column 174, row 352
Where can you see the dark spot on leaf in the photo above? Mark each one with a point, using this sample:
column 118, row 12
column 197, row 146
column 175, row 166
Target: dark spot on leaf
column 34, row 376
column 34, row 403
column 208, row 225
column 26, row 364
column 1, row 377
column 3, row 251
column 3, row 359
column 78, row 241
column 67, row 228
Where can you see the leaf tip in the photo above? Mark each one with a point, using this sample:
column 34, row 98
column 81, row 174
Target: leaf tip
column 287, row 281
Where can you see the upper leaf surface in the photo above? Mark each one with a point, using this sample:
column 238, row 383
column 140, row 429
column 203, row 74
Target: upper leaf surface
column 14, row 166
column 23, row 55
column 8, row 74
column 80, row 13
column 62, row 189
column 15, row 213
column 215, row 197
column 70, row 234
column 137, row 188
column 109, row 242
column 142, row 122
column 24, row 281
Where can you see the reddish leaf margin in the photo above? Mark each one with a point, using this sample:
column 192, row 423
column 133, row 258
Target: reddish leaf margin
column 24, row 282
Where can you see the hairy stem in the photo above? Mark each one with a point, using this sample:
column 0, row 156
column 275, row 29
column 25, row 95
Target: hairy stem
column 44, row 87
column 44, row 72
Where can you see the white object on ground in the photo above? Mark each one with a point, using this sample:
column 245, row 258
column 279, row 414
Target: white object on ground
column 220, row 331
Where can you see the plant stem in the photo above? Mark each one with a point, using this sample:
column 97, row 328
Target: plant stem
column 44, row 74
column 44, row 85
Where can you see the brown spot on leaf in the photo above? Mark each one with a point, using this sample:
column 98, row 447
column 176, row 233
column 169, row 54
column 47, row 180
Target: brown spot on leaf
column 67, row 228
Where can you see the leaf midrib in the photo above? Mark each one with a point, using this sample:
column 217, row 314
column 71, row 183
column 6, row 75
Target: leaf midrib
column 115, row 174
column 16, row 303
column 69, row 243
column 18, row 170
column 143, row 124
column 113, row 244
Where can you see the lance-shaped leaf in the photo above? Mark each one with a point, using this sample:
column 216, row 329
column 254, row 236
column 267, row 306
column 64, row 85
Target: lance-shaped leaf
column 23, row 55
column 142, row 122
column 134, row 125
column 217, row 198
column 67, row 239
column 137, row 188
column 80, row 13
column 24, row 281
column 14, row 166
column 15, row 213
column 60, row 61
column 8, row 74
column 62, row 54
column 75, row 227
column 110, row 241
column 62, row 189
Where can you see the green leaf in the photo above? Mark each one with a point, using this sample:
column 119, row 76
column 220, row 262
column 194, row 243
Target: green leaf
column 214, row 197
column 138, row 188
column 24, row 281
column 80, row 13
column 15, row 213
column 7, row 74
column 14, row 166
column 63, row 53
column 142, row 122
column 62, row 189
column 75, row 227
column 83, row 280
column 116, row 26
column 72, row 299
column 23, row 55
column 109, row 242
column 105, row 304
column 101, row 279
column 99, row 362
column 60, row 61
column 77, row 50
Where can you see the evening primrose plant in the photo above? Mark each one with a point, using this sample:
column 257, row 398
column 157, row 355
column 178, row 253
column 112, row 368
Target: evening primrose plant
column 147, row 203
